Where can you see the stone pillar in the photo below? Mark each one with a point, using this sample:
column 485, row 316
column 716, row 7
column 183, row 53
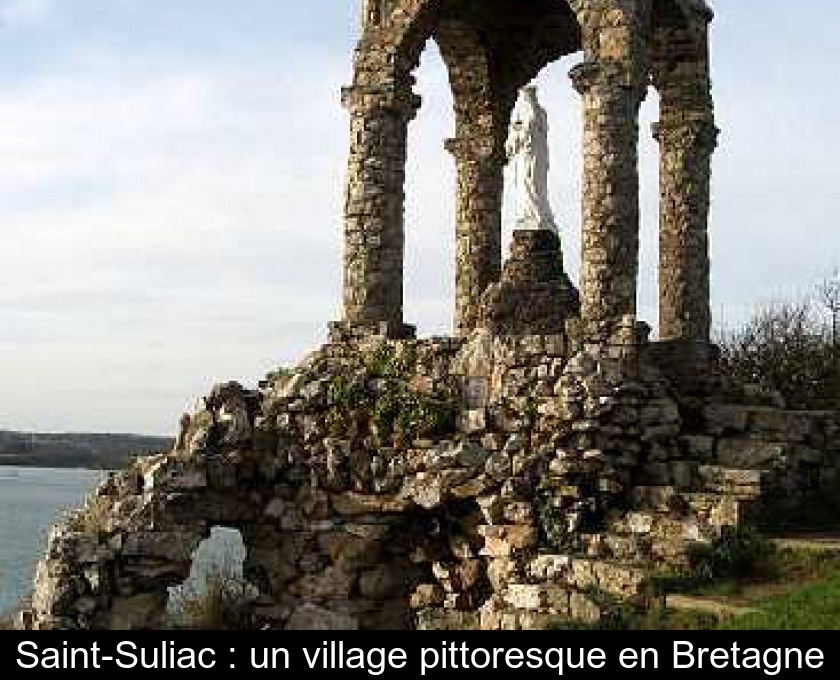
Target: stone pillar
column 684, row 268
column 371, row 13
column 479, row 225
column 374, row 211
column 687, row 136
column 613, row 81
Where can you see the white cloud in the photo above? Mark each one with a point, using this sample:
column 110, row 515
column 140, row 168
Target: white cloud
column 159, row 232
column 16, row 13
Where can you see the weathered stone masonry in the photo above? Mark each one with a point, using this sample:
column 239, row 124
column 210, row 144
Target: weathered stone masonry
column 490, row 50
column 495, row 483
column 374, row 239
column 613, row 82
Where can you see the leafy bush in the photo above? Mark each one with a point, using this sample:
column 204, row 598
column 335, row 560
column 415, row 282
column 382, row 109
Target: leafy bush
column 554, row 529
column 792, row 349
column 378, row 396
column 400, row 411
column 386, row 362
column 738, row 553
column 561, row 527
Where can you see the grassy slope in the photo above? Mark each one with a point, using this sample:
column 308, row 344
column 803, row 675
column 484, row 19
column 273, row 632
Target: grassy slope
column 803, row 593
column 811, row 607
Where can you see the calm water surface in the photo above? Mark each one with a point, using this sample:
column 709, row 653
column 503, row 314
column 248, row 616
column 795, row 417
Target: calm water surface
column 30, row 502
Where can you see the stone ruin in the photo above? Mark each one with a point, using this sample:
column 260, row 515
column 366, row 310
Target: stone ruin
column 508, row 477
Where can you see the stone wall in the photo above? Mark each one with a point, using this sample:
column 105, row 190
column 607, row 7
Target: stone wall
column 494, row 482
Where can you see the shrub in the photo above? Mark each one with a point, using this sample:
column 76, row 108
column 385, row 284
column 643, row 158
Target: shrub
column 379, row 396
column 738, row 553
column 386, row 362
column 561, row 523
column 792, row 349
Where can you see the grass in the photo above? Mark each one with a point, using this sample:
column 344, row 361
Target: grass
column 220, row 602
column 811, row 607
column 792, row 590
column 782, row 569
column 799, row 590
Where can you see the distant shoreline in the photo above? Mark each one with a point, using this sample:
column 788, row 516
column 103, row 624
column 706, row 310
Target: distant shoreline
column 86, row 451
column 37, row 465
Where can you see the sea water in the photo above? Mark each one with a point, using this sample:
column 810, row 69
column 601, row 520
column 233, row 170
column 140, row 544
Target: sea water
column 31, row 500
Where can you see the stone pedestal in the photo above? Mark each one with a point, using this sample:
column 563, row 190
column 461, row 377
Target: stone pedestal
column 690, row 366
column 534, row 297
column 342, row 331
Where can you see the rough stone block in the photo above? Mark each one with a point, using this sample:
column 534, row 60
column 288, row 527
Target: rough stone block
column 525, row 596
column 427, row 595
column 507, row 540
column 174, row 546
column 139, row 612
column 725, row 419
column 312, row 617
column 751, row 453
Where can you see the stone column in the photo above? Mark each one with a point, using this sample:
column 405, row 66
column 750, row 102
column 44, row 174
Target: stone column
column 613, row 81
column 687, row 136
column 371, row 13
column 480, row 164
column 687, row 146
column 374, row 211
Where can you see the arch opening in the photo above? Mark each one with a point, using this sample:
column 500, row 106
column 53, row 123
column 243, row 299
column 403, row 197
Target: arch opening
column 216, row 595
column 430, row 201
column 565, row 116
column 488, row 57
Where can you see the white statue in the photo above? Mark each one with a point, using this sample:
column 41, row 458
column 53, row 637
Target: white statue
column 527, row 150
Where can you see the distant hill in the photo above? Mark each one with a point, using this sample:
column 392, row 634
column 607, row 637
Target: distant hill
column 91, row 451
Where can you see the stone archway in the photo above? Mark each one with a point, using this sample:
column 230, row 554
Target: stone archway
column 317, row 559
column 491, row 51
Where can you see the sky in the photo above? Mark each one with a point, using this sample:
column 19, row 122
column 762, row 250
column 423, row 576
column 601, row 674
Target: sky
column 172, row 177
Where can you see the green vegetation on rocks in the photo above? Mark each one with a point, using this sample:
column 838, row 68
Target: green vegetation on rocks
column 381, row 395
